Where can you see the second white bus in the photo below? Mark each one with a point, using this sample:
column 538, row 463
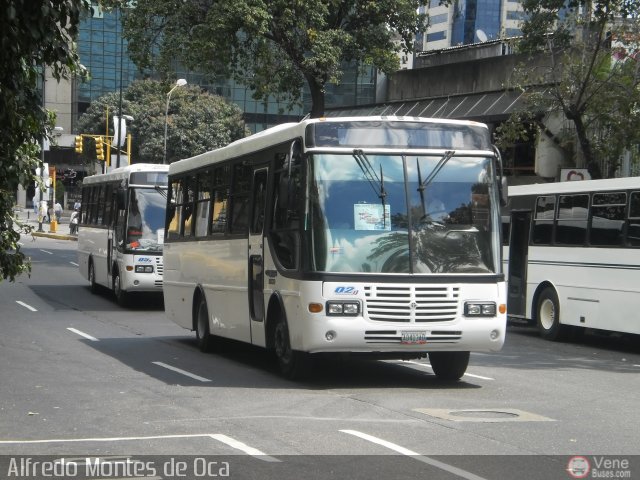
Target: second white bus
column 121, row 229
column 574, row 256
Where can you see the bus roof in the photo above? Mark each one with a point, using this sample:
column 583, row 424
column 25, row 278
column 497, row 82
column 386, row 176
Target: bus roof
column 575, row 186
column 123, row 173
column 289, row 131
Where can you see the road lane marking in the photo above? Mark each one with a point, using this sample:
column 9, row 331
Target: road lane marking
column 243, row 447
column 215, row 436
column 98, row 439
column 74, row 263
column 82, row 334
column 183, row 372
column 421, row 458
column 429, row 366
column 26, row 306
column 46, row 251
column 478, row 376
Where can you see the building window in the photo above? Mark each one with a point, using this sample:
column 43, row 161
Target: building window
column 435, row 36
column 436, row 19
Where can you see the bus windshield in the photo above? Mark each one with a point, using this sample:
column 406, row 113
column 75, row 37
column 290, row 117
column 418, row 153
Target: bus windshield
column 145, row 220
column 393, row 213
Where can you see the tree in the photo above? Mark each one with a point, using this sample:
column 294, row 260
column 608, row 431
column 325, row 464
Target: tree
column 574, row 67
column 273, row 46
column 197, row 122
column 34, row 35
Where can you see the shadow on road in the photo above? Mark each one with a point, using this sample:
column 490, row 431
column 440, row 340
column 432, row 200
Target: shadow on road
column 79, row 298
column 236, row 364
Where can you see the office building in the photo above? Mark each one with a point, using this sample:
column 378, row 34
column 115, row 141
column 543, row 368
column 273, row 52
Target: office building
column 469, row 21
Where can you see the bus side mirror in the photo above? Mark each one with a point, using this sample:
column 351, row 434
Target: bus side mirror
column 504, row 192
column 121, row 200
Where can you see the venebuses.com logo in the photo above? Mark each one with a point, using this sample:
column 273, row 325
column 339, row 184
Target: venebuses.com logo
column 598, row 467
column 578, row 467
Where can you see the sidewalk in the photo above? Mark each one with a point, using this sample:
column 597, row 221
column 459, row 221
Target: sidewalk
column 62, row 230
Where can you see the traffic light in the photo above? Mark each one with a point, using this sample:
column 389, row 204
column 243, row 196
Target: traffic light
column 78, row 143
column 100, row 149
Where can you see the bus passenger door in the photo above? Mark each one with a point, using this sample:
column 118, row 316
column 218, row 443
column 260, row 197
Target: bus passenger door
column 256, row 242
column 518, row 257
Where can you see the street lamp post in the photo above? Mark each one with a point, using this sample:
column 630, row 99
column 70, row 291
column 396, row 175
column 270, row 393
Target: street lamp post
column 181, row 82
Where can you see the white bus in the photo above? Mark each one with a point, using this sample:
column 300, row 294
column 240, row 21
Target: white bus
column 121, row 229
column 574, row 256
column 376, row 235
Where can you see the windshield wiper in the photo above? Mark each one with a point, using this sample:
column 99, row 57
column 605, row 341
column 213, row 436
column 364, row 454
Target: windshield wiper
column 377, row 183
column 422, row 185
column 160, row 190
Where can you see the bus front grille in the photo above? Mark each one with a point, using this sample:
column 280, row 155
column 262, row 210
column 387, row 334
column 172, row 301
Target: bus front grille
column 159, row 266
column 412, row 303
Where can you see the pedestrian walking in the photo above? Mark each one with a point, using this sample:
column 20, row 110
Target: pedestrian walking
column 57, row 210
column 73, row 222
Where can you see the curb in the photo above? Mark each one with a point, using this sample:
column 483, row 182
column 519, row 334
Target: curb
column 58, row 236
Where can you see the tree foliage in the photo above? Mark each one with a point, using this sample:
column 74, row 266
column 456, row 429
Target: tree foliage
column 273, row 46
column 34, row 34
column 581, row 63
column 197, row 121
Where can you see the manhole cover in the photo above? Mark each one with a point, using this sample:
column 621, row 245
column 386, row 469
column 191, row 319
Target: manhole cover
column 485, row 415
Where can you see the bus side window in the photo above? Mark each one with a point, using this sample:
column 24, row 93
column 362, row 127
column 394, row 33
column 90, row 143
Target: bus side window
column 240, row 188
column 174, row 209
column 543, row 220
column 286, row 201
column 633, row 227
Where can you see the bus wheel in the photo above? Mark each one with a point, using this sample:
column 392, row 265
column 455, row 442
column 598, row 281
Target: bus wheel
column 121, row 295
column 203, row 334
column 92, row 278
column 292, row 363
column 449, row 366
column 548, row 316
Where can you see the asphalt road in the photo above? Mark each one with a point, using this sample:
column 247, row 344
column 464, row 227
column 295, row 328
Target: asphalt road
column 82, row 377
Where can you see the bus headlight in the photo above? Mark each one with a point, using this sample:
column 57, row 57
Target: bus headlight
column 480, row 309
column 349, row 308
column 144, row 268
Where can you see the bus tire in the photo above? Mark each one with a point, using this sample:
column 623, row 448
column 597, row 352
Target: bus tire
column 203, row 333
column 449, row 366
column 121, row 295
column 548, row 316
column 292, row 363
column 93, row 286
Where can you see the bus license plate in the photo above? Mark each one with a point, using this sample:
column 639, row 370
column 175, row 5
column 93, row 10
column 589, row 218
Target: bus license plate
column 413, row 338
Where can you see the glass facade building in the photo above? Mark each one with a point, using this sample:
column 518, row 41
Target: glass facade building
column 103, row 51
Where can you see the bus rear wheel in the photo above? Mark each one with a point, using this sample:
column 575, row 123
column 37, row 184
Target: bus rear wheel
column 548, row 316
column 292, row 363
column 203, row 333
column 449, row 366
